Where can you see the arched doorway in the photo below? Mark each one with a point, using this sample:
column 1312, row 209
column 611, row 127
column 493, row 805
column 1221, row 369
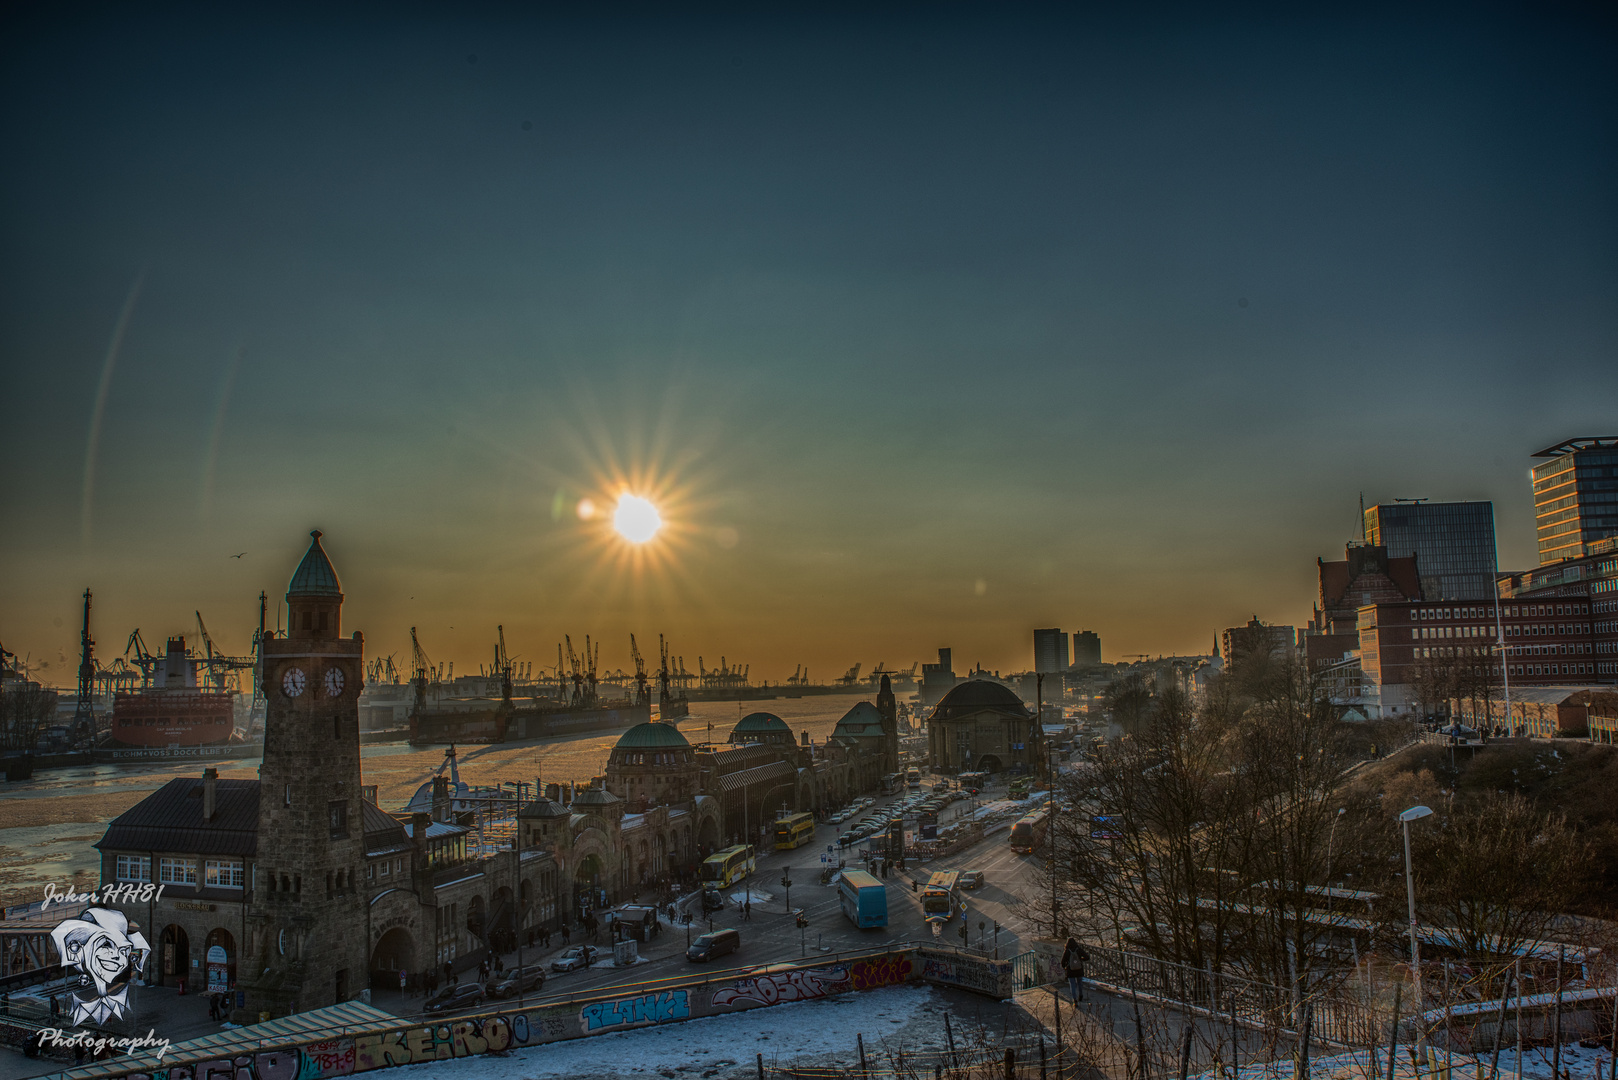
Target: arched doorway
column 476, row 922
column 707, row 837
column 173, row 955
column 503, row 921
column 393, row 954
column 988, row 763
column 219, row 955
column 587, row 882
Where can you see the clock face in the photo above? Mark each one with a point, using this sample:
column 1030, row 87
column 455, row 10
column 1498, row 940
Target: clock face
column 293, row 682
column 334, row 682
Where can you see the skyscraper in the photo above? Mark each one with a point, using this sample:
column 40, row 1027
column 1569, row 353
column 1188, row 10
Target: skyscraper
column 1086, row 648
column 1050, row 651
column 1576, row 496
column 1453, row 543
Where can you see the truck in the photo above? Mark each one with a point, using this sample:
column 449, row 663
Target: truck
column 864, row 899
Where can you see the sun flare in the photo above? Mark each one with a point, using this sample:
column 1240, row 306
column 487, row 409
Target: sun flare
column 636, row 519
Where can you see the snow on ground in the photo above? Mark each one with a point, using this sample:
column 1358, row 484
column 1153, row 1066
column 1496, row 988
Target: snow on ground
column 722, row 1046
column 759, row 896
column 1577, row 1062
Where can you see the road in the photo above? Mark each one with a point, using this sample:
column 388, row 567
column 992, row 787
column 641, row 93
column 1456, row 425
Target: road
column 771, row 935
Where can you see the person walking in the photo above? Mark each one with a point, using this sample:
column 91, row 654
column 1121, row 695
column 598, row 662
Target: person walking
column 747, row 911
column 1073, row 958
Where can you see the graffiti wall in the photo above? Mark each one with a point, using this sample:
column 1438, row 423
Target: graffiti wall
column 492, row 1033
column 976, row 973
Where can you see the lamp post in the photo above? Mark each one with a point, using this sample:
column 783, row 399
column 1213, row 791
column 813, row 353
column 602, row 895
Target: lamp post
column 1415, row 813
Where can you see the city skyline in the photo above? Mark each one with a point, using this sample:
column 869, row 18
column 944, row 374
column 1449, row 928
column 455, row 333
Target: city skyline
column 1009, row 323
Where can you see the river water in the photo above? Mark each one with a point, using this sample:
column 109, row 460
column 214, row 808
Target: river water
column 47, row 824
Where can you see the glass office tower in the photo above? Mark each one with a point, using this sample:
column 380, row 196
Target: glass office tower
column 1576, row 496
column 1453, row 543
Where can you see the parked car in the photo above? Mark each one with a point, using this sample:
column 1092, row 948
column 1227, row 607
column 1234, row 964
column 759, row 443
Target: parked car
column 577, row 957
column 461, row 996
column 516, row 981
column 713, row 945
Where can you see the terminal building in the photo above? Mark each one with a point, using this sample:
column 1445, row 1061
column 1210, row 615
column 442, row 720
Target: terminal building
column 297, row 890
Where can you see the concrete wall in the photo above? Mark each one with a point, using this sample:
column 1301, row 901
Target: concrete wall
column 501, row 1030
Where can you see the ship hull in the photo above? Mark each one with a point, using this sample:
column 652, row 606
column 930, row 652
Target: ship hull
column 178, row 718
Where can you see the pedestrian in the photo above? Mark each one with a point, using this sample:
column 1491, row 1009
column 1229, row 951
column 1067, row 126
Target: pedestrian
column 449, row 974
column 213, row 1006
column 748, row 910
column 564, row 933
column 1073, row 958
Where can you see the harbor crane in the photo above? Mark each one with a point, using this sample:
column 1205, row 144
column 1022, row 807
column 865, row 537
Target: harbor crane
column 849, row 677
column 421, row 671
column 643, row 691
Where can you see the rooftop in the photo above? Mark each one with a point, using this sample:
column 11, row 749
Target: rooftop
column 315, row 576
column 653, row 735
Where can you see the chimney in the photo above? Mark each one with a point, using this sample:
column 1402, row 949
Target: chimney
column 806, row 738
column 441, row 804
column 210, row 792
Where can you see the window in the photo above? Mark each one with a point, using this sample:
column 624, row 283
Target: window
column 134, row 868
column 383, row 872
column 398, row 866
column 337, row 817
column 224, row 874
column 177, row 871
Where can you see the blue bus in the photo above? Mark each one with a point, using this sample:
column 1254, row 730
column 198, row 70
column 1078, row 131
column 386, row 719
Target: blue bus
column 864, row 899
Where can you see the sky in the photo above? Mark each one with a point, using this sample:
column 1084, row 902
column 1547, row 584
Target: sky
column 922, row 329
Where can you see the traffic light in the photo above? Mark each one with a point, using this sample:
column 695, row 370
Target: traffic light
column 803, row 920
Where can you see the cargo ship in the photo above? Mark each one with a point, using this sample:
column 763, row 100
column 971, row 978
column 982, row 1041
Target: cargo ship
column 173, row 710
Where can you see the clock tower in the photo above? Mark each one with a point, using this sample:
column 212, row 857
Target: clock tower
column 306, row 945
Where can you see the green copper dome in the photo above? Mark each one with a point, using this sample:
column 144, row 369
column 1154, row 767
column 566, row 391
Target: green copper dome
column 315, row 576
column 653, row 736
column 761, row 723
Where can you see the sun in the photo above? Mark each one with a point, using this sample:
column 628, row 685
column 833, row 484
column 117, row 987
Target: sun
column 636, row 519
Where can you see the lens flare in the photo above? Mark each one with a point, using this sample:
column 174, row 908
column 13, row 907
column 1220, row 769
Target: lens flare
column 636, row 519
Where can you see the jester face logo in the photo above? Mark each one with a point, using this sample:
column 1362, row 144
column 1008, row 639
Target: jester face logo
column 107, row 955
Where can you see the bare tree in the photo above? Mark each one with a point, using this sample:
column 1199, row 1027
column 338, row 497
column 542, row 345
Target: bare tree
column 1497, row 872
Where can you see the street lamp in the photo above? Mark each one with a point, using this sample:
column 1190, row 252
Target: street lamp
column 1415, row 813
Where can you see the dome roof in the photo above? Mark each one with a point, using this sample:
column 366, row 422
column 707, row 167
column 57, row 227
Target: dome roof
column 542, row 808
column 652, row 735
column 315, row 576
column 978, row 694
column 761, row 723
column 595, row 796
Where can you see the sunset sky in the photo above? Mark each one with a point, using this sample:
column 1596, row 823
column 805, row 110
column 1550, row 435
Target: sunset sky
column 925, row 330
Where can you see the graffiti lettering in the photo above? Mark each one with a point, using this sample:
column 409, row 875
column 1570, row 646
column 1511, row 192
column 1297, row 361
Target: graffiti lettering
column 332, row 1057
column 650, row 1009
column 992, row 977
column 784, row 986
column 882, row 971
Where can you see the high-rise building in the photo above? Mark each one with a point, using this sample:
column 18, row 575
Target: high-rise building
column 1050, row 651
column 1453, row 543
column 1576, row 496
column 1086, row 648
column 1241, row 642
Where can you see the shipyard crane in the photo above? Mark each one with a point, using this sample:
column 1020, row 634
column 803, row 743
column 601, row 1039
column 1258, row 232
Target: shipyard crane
column 849, row 677
column 421, row 670
column 663, row 694
column 684, row 678
column 502, row 666
column 216, row 661
column 591, row 656
column 573, row 671
column 643, row 691
column 143, row 658
column 881, row 669
column 796, row 677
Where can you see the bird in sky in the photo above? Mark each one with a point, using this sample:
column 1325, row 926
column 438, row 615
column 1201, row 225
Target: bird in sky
column 238, row 556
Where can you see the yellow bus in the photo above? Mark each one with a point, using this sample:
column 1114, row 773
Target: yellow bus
column 794, row 830
column 939, row 901
column 727, row 867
